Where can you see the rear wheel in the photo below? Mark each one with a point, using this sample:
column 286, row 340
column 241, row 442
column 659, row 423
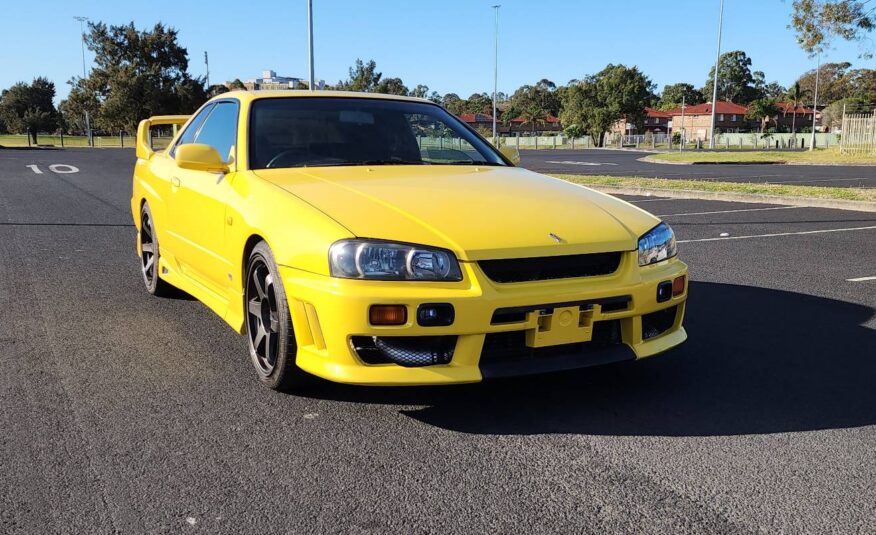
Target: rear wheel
column 149, row 255
column 269, row 324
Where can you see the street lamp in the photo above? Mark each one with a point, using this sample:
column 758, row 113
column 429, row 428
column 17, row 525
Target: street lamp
column 310, row 43
column 815, row 102
column 715, row 81
column 496, row 74
column 82, row 21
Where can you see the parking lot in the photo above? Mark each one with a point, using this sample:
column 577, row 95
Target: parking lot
column 123, row 412
column 628, row 163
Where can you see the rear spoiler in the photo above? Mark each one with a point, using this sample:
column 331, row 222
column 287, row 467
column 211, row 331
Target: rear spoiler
column 144, row 132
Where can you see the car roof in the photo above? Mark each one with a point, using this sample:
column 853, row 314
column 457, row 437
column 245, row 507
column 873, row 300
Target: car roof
column 246, row 95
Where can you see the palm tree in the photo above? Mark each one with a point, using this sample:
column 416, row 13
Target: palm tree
column 533, row 115
column 796, row 93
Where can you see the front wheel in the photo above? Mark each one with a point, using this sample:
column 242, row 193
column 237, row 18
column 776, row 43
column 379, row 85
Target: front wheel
column 269, row 324
column 150, row 255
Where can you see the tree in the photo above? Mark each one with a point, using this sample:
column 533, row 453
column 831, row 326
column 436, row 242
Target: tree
column 602, row 99
column 762, row 109
column 817, row 22
column 672, row 96
column 832, row 115
column 363, row 77
column 834, row 82
column 28, row 109
column 478, row 103
column 795, row 95
column 236, row 85
column 773, row 90
column 420, row 91
column 542, row 96
column 391, row 86
column 736, row 82
column 137, row 74
column 532, row 115
column 453, row 103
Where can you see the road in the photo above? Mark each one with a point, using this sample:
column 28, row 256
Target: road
column 626, row 163
column 127, row 413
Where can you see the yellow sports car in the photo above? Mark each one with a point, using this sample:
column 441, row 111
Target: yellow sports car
column 379, row 240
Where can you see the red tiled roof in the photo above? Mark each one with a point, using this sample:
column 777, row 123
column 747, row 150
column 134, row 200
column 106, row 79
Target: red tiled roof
column 476, row 118
column 548, row 119
column 651, row 112
column 706, row 109
column 788, row 107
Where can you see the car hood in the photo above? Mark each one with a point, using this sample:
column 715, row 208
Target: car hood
column 477, row 212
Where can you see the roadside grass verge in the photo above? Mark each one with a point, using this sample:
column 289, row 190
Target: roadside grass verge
column 819, row 156
column 781, row 190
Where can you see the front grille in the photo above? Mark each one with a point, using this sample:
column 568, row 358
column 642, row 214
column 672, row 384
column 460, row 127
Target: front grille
column 409, row 351
column 518, row 314
column 657, row 323
column 551, row 267
column 511, row 346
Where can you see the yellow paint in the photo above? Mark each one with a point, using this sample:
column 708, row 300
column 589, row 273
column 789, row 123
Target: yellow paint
column 477, row 212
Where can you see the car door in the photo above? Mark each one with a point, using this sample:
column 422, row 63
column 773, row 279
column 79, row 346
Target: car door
column 197, row 203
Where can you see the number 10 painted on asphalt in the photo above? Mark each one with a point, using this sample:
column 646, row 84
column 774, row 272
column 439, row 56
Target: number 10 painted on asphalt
column 59, row 168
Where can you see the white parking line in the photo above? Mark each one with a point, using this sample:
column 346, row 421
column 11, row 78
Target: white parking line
column 779, row 234
column 732, row 211
column 862, row 279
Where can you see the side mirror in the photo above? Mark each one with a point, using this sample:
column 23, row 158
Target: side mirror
column 512, row 154
column 199, row 157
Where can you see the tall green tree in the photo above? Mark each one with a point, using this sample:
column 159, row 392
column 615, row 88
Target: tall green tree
column 391, row 86
column 818, row 22
column 602, row 99
column 796, row 94
column 28, row 108
column 138, row 73
column 363, row 77
column 736, row 82
column 672, row 96
column 834, row 82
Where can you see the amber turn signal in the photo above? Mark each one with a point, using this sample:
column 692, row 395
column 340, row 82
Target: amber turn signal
column 678, row 286
column 388, row 315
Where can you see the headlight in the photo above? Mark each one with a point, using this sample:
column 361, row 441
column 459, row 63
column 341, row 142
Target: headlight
column 657, row 244
column 376, row 260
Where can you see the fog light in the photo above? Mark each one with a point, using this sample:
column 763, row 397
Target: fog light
column 678, row 286
column 388, row 315
column 435, row 314
column 664, row 291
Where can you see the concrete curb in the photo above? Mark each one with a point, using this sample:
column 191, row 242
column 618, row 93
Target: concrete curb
column 808, row 202
column 648, row 159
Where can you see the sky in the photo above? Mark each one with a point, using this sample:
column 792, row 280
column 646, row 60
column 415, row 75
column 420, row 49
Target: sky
column 446, row 45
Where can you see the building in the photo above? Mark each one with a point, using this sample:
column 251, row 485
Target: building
column 270, row 81
column 794, row 117
column 697, row 119
column 655, row 121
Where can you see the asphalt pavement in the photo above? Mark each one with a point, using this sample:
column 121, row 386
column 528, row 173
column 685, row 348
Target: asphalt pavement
column 123, row 412
column 628, row 163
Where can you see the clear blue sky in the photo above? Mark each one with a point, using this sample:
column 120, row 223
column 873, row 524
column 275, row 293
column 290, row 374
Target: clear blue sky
column 447, row 45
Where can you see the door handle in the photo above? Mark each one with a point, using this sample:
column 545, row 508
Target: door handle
column 175, row 182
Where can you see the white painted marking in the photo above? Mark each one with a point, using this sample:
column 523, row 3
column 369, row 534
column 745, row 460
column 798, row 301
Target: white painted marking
column 732, row 211
column 780, row 234
column 63, row 169
column 310, row 415
column 724, row 234
column 35, row 169
column 569, row 162
column 862, row 279
column 191, row 520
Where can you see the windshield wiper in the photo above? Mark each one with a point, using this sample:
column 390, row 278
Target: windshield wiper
column 468, row 162
column 387, row 162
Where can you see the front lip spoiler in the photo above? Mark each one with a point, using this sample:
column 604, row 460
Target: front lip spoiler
column 569, row 361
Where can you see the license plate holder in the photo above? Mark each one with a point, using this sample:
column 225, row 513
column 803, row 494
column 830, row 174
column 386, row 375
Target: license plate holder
column 560, row 325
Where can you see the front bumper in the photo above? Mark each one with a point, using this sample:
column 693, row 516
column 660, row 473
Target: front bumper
column 329, row 313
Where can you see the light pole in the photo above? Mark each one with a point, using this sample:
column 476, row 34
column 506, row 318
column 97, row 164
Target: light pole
column 496, row 74
column 310, row 44
column 815, row 102
column 715, row 81
column 207, row 64
column 82, row 21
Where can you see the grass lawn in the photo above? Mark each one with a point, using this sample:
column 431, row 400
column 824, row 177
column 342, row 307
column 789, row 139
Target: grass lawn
column 819, row 156
column 13, row 140
column 849, row 194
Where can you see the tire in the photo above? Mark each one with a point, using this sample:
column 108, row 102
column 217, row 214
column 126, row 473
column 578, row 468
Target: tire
column 269, row 332
column 150, row 255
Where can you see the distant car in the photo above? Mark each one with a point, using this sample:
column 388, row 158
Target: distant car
column 375, row 239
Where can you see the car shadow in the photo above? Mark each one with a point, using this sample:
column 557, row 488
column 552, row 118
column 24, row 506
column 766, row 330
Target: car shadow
column 756, row 361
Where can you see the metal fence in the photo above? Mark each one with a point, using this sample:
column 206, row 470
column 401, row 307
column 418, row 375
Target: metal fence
column 859, row 134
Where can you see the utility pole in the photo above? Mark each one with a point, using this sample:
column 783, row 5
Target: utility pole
column 310, row 77
column 715, row 81
column 207, row 63
column 682, row 130
column 496, row 75
column 82, row 21
column 815, row 102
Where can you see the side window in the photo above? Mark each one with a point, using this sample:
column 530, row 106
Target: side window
column 188, row 134
column 220, row 129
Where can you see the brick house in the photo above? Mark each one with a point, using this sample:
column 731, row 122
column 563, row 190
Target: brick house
column 697, row 124
column 656, row 122
column 786, row 118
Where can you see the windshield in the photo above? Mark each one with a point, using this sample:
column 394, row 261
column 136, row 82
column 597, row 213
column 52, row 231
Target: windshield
column 329, row 131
